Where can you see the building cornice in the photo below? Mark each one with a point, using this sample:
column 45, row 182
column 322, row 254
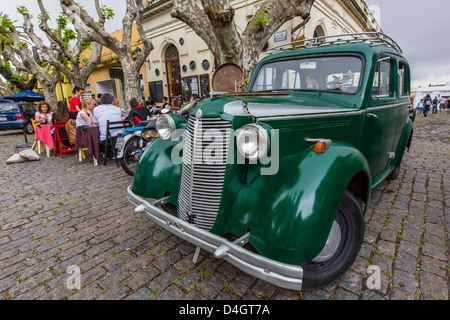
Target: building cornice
column 360, row 15
column 157, row 7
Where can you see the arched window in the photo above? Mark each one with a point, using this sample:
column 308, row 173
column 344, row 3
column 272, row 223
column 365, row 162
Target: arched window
column 173, row 72
column 172, row 52
column 319, row 32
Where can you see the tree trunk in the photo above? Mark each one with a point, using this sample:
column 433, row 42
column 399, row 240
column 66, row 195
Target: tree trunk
column 131, row 86
column 50, row 95
column 215, row 25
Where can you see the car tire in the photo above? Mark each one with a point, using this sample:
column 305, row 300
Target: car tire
column 350, row 221
column 28, row 129
column 129, row 161
column 394, row 174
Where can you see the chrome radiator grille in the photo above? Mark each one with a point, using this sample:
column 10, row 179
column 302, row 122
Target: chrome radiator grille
column 203, row 170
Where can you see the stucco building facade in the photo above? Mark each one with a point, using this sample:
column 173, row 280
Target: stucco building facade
column 182, row 64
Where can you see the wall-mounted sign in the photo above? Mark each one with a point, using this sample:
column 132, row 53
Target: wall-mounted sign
column 280, row 36
column 115, row 73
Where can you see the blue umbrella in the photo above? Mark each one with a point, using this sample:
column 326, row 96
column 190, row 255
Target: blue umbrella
column 26, row 95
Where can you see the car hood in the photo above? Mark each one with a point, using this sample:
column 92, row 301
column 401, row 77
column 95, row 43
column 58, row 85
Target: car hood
column 264, row 106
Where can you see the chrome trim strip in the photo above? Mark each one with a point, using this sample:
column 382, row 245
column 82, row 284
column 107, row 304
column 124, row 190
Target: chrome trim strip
column 390, row 106
column 277, row 273
column 332, row 114
column 312, row 116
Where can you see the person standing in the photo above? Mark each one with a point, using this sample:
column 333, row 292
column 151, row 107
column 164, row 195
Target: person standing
column 435, row 105
column 75, row 102
column 441, row 104
column 420, row 106
column 427, row 103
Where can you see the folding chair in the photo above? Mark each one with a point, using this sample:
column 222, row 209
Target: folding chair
column 35, row 144
column 58, row 139
column 26, row 144
column 109, row 142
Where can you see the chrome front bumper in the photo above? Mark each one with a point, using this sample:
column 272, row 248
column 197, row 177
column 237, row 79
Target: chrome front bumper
column 277, row 273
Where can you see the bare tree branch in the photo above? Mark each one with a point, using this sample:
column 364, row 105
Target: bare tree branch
column 77, row 74
column 214, row 24
column 131, row 63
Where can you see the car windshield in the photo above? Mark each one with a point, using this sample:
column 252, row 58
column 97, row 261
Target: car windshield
column 8, row 107
column 327, row 73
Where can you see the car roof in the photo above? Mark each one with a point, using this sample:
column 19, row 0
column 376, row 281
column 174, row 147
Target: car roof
column 368, row 44
column 363, row 48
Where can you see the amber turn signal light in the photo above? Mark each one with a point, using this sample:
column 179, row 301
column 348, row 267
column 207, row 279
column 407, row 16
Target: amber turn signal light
column 320, row 147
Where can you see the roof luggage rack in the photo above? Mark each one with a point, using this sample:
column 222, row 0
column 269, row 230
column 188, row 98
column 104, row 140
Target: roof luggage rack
column 363, row 37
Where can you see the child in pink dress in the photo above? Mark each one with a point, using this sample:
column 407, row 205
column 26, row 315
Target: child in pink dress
column 44, row 113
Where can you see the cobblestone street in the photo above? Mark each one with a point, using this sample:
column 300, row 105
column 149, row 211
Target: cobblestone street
column 57, row 212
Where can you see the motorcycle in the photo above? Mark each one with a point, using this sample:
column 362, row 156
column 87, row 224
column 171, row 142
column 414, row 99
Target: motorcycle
column 131, row 144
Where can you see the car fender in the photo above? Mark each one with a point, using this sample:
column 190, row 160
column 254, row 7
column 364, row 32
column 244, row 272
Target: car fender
column 159, row 169
column 405, row 142
column 290, row 214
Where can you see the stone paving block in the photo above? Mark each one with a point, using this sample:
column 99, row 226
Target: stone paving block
column 163, row 280
column 124, row 255
column 141, row 278
column 433, row 286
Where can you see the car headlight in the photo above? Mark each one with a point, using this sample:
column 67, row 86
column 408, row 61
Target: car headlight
column 165, row 126
column 253, row 141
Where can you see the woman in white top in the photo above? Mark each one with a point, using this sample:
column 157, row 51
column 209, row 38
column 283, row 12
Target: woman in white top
column 85, row 117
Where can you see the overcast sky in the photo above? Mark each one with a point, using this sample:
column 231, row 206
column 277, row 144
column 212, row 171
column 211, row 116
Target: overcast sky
column 54, row 8
column 421, row 28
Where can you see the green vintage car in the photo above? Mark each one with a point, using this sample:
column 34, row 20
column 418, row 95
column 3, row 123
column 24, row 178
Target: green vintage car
column 276, row 181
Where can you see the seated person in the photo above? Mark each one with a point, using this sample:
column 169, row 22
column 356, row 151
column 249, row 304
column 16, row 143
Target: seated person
column 62, row 114
column 85, row 117
column 44, row 113
column 104, row 112
column 117, row 104
column 138, row 113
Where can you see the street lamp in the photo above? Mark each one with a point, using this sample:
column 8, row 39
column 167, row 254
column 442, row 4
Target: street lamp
column 137, row 51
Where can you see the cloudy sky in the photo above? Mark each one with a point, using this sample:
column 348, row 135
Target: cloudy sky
column 422, row 29
column 54, row 8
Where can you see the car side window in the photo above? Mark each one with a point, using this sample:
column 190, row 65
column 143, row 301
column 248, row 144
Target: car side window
column 403, row 84
column 382, row 84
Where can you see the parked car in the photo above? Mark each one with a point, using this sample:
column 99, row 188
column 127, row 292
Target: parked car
column 277, row 180
column 17, row 115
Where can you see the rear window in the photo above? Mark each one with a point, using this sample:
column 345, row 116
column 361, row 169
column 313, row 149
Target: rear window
column 6, row 107
column 340, row 74
column 28, row 108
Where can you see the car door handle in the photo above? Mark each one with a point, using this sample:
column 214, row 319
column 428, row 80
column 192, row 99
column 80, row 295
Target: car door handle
column 372, row 116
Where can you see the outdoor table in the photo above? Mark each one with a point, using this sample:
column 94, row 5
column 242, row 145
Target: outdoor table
column 43, row 134
column 88, row 137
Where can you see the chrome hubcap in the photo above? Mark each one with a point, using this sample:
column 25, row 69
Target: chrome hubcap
column 332, row 244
